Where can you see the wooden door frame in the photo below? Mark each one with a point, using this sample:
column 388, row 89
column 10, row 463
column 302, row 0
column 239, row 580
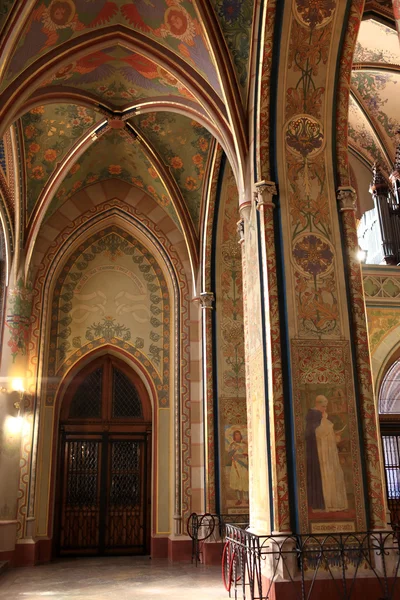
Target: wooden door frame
column 113, row 426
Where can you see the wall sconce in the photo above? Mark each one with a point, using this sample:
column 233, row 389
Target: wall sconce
column 17, row 385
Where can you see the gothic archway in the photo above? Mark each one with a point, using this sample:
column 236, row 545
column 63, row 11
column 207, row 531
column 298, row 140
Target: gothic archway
column 103, row 490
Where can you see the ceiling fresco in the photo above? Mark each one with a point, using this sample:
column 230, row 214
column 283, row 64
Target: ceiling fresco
column 362, row 136
column 119, row 77
column 373, row 110
column 380, row 95
column 114, row 155
column 49, row 132
column 184, row 146
column 377, row 43
column 172, row 23
column 236, row 18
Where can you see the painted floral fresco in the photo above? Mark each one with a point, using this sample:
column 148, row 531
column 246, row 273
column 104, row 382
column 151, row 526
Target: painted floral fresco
column 172, row 23
column 376, row 43
column 236, row 18
column 118, row 77
column 379, row 92
column 49, row 132
column 230, row 356
column 115, row 154
column 18, row 318
column 184, row 146
column 381, row 322
column 362, row 136
column 113, row 291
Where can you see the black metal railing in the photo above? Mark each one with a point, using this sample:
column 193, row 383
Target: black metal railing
column 310, row 567
column 209, row 527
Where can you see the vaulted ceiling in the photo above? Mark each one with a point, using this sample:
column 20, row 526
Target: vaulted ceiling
column 140, row 91
column 374, row 115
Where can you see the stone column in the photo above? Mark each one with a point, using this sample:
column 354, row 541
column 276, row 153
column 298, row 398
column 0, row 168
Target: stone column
column 266, row 190
column 378, row 511
column 260, row 456
column 207, row 305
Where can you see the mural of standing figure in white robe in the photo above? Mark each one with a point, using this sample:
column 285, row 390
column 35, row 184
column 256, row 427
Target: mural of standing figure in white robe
column 332, row 476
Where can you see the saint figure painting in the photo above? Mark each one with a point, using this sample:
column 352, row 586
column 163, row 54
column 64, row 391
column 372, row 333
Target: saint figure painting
column 239, row 472
column 326, row 489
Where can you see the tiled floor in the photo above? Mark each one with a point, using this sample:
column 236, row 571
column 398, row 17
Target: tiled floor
column 113, row 578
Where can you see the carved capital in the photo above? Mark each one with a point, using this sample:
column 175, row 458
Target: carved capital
column 265, row 191
column 240, row 230
column 207, row 299
column 347, row 198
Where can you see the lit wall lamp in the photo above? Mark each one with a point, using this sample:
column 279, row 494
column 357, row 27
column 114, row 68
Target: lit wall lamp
column 17, row 385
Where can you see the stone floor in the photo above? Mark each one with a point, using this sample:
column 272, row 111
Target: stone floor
column 113, row 578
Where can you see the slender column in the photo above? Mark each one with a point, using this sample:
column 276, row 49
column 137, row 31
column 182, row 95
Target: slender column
column 281, row 519
column 378, row 513
column 207, row 305
column 257, row 416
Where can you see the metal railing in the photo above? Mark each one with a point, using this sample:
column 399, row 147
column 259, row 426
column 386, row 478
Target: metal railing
column 339, row 566
column 207, row 527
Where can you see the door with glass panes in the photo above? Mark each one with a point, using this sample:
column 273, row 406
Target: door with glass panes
column 104, row 465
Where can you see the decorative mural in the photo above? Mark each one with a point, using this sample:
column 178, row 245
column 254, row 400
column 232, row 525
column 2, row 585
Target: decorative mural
column 18, row 318
column 379, row 92
column 184, row 145
column 324, row 409
column 49, row 133
column 118, row 76
column 230, row 354
column 362, row 136
column 381, row 322
column 127, row 161
column 3, row 161
column 376, row 43
column 236, row 18
column 112, row 291
column 172, row 23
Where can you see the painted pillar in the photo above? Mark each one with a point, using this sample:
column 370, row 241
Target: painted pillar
column 379, row 515
column 16, row 414
column 266, row 190
column 257, row 414
column 337, row 469
column 207, row 305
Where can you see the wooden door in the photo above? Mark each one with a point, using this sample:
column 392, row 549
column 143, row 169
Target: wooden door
column 104, row 485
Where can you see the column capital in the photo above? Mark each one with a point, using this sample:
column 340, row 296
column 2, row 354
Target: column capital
column 347, row 198
column 244, row 209
column 207, row 300
column 265, row 190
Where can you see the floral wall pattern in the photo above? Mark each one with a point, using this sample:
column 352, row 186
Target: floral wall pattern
column 126, row 161
column 230, row 354
column 184, row 145
column 118, row 76
column 236, row 18
column 112, row 291
column 173, row 24
column 49, row 133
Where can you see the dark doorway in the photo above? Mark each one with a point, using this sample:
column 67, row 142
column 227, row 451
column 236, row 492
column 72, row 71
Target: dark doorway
column 105, row 463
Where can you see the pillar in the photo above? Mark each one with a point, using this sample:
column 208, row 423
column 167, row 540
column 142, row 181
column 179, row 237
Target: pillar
column 207, row 305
